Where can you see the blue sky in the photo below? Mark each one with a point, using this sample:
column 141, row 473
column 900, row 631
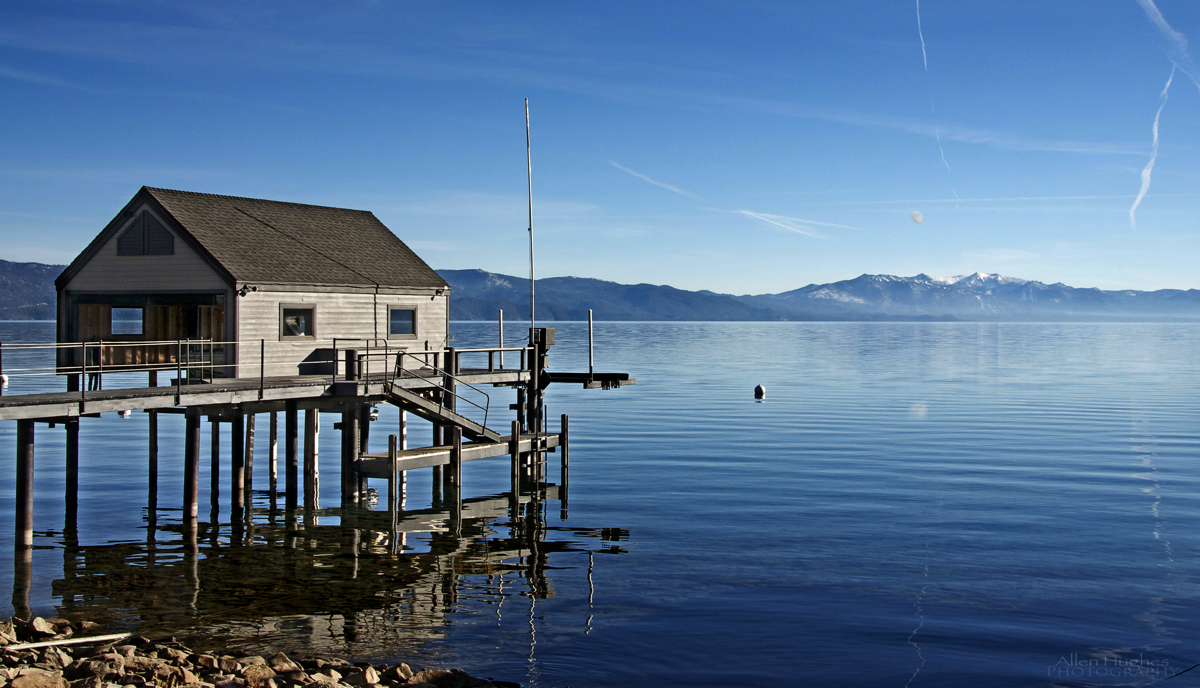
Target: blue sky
column 744, row 147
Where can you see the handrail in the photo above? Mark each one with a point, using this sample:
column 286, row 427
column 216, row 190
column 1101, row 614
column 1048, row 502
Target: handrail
column 436, row 370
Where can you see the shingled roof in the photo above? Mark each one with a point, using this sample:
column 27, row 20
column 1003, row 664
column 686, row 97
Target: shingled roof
column 274, row 241
column 256, row 240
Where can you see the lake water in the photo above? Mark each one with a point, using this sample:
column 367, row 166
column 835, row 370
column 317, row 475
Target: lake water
column 914, row 504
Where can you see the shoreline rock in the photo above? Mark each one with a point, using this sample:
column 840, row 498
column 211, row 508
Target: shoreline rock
column 138, row 662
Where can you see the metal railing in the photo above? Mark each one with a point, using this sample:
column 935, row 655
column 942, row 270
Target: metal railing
column 452, row 355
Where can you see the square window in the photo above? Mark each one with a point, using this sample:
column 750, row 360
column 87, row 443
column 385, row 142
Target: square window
column 402, row 321
column 297, row 322
column 126, row 320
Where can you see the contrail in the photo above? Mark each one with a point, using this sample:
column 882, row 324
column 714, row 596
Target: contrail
column 924, row 57
column 937, row 130
column 1153, row 151
column 786, row 226
column 1178, row 45
column 639, row 175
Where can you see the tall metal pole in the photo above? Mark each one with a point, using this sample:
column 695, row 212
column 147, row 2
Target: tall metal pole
column 529, row 168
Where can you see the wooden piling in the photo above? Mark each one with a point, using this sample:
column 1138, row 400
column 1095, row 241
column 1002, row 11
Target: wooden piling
column 349, row 453
column 191, row 465
column 237, row 457
column 291, row 457
column 393, row 468
column 214, row 470
column 22, row 582
column 24, row 506
column 152, row 449
column 273, row 458
column 72, row 496
column 364, row 433
column 248, row 467
column 455, row 487
column 310, row 458
column 514, row 450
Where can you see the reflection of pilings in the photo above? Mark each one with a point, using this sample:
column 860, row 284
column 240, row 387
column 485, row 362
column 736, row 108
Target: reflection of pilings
column 22, row 581
column 72, row 496
column 291, row 454
column 24, row 515
column 564, row 450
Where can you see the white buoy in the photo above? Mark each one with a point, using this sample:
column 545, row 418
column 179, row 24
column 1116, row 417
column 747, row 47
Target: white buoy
column 3, row 380
column 760, row 392
column 127, row 413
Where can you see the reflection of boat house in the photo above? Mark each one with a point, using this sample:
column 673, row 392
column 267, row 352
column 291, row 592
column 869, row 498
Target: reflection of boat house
column 238, row 270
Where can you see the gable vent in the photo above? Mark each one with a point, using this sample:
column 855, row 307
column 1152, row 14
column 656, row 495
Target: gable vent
column 146, row 236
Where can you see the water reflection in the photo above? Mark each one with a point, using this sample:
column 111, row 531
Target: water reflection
column 363, row 583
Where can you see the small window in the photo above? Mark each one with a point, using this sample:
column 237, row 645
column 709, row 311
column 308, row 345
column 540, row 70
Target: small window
column 297, row 322
column 402, row 322
column 127, row 320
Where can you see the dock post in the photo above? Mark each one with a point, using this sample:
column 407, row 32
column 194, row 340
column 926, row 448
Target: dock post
column 191, row 468
column 291, row 455
column 22, row 582
column 449, row 399
column 273, row 459
column 364, row 433
column 72, row 427
column 514, row 451
column 214, row 471
column 237, row 457
column 310, row 458
column 152, row 450
column 564, row 449
column 437, row 442
column 349, row 453
column 24, row 515
column 393, row 492
column 455, row 487
column 248, row 468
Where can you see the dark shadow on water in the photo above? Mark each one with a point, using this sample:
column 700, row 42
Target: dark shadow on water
column 321, row 581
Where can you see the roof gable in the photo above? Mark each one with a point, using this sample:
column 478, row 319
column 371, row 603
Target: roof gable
column 275, row 241
column 255, row 240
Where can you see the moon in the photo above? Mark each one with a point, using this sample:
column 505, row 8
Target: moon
column 917, row 216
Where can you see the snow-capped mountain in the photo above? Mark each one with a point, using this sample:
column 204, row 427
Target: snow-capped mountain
column 978, row 296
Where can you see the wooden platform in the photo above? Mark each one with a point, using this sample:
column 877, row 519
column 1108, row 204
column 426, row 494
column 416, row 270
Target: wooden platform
column 376, row 465
column 308, row 390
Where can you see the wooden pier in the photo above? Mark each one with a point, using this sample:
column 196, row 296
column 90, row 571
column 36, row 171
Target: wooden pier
column 432, row 392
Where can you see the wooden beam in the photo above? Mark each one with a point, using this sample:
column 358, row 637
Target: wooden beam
column 376, row 465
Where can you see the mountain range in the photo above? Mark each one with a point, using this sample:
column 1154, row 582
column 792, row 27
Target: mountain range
column 477, row 295
column 27, row 293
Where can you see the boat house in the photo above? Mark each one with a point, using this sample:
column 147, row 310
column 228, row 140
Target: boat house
column 258, row 287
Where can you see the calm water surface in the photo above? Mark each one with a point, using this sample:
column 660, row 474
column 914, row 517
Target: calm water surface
column 933, row 504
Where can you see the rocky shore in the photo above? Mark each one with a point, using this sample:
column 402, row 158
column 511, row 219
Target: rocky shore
column 56, row 653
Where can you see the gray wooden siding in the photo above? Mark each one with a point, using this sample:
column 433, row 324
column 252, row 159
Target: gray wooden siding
column 343, row 315
column 183, row 271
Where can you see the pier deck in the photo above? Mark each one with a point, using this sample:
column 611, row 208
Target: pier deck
column 309, row 388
